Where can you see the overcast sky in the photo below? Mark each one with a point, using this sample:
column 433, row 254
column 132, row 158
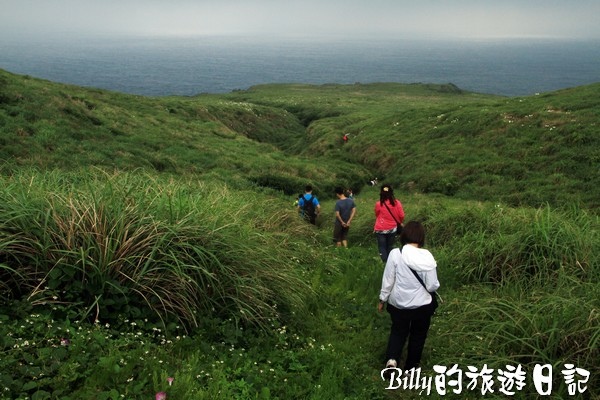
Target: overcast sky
column 321, row 18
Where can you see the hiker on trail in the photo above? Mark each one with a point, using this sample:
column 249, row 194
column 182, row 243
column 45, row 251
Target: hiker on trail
column 309, row 205
column 345, row 138
column 350, row 194
column 345, row 209
column 389, row 216
column 407, row 286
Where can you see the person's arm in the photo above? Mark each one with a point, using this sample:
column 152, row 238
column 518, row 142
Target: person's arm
column 388, row 279
column 351, row 215
column 338, row 216
column 400, row 215
column 431, row 281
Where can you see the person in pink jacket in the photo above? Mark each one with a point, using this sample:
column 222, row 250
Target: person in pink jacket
column 389, row 216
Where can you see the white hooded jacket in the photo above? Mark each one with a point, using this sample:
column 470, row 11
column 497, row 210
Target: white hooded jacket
column 400, row 287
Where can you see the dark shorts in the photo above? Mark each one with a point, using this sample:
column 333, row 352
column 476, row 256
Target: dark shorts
column 340, row 233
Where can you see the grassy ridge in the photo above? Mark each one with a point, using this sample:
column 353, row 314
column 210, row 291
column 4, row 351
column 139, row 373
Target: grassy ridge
column 47, row 125
column 438, row 139
column 422, row 138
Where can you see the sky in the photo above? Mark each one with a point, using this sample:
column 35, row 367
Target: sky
column 577, row 19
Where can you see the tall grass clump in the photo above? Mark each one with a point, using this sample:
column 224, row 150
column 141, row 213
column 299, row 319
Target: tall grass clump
column 513, row 326
column 132, row 246
column 493, row 243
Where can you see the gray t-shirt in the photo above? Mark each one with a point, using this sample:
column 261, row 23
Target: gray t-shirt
column 345, row 207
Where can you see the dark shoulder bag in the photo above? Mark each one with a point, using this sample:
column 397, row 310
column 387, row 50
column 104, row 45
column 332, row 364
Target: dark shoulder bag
column 434, row 302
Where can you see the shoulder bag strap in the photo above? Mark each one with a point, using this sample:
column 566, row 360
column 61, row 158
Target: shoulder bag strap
column 434, row 295
column 390, row 211
column 418, row 277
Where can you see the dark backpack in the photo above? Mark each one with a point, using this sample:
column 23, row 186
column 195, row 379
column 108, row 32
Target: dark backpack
column 308, row 207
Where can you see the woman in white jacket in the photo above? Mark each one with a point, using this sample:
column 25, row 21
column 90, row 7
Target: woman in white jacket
column 408, row 295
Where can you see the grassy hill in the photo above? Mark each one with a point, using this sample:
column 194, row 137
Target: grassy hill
column 439, row 139
column 47, row 125
column 421, row 138
column 143, row 239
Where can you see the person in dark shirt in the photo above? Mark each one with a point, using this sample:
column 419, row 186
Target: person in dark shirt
column 345, row 209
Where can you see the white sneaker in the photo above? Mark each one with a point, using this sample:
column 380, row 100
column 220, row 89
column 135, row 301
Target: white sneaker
column 386, row 374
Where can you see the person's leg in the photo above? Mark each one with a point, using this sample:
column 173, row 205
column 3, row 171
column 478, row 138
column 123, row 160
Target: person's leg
column 390, row 239
column 337, row 234
column 416, row 342
column 398, row 333
column 345, row 236
column 382, row 245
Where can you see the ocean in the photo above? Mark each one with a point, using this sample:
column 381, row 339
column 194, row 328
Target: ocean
column 161, row 66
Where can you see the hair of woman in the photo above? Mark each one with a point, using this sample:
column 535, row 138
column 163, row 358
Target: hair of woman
column 387, row 194
column 413, row 232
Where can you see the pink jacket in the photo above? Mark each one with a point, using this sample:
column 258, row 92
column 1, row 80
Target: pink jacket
column 384, row 220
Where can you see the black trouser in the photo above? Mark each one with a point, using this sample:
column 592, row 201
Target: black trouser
column 412, row 324
column 385, row 243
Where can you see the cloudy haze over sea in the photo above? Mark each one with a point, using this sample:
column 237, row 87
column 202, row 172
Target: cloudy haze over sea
column 186, row 47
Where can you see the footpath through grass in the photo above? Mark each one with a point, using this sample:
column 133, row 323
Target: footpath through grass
column 114, row 283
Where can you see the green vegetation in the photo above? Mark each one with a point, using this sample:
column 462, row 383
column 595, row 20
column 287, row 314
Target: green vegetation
column 147, row 238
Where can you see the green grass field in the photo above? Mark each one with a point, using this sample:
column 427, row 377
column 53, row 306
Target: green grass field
column 143, row 239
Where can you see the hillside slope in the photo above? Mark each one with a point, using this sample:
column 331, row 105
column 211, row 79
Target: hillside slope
column 438, row 139
column 47, row 125
column 419, row 137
